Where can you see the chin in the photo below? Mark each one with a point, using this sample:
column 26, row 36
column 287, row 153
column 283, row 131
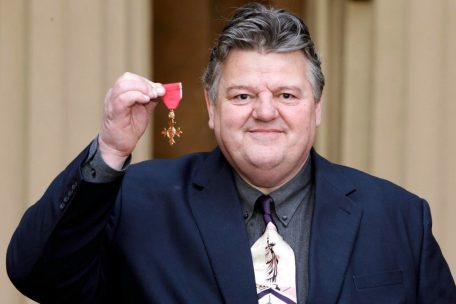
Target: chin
column 265, row 164
column 265, row 156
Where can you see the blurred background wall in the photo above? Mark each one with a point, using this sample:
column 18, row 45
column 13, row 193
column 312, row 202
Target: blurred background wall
column 389, row 101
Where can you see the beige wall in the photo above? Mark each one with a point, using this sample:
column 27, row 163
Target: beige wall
column 389, row 101
column 57, row 60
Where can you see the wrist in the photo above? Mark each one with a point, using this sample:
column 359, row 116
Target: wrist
column 112, row 157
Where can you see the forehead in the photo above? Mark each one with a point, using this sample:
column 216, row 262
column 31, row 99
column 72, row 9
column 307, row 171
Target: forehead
column 250, row 66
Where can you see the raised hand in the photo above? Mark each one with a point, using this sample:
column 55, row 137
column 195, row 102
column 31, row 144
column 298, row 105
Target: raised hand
column 127, row 110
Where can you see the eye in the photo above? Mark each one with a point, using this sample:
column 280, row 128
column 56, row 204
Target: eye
column 241, row 99
column 287, row 96
column 242, row 96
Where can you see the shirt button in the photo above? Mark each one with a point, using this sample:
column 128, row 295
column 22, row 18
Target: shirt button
column 284, row 217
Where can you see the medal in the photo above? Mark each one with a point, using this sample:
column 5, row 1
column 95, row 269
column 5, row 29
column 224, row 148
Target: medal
column 171, row 99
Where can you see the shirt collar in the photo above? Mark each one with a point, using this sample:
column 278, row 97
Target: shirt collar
column 286, row 198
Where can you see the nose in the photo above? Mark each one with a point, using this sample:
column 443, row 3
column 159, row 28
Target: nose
column 265, row 108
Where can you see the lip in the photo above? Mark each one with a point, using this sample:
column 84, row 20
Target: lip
column 265, row 130
column 265, row 134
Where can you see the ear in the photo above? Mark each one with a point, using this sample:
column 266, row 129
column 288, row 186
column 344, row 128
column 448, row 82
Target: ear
column 319, row 109
column 210, row 108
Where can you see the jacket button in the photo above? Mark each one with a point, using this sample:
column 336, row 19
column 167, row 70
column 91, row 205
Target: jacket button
column 66, row 199
column 62, row 206
column 70, row 192
column 73, row 187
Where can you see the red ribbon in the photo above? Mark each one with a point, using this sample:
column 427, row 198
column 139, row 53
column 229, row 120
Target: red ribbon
column 173, row 95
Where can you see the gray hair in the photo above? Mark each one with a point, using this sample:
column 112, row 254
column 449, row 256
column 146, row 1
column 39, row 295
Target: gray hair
column 257, row 27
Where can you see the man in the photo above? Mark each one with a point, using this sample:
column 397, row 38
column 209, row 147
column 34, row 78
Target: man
column 188, row 230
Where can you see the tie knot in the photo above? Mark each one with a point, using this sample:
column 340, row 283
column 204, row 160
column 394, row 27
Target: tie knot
column 266, row 201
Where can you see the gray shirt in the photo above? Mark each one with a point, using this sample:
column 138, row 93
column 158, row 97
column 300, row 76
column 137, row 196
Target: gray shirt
column 293, row 213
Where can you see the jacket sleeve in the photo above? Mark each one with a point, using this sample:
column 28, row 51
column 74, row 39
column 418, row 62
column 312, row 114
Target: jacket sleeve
column 436, row 284
column 57, row 253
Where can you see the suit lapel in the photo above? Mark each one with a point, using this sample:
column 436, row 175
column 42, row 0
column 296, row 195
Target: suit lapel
column 217, row 212
column 216, row 209
column 335, row 225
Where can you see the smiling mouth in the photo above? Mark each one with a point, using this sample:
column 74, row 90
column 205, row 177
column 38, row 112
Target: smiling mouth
column 266, row 131
column 265, row 134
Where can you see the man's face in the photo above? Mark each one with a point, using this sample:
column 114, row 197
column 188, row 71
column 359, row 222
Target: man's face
column 265, row 115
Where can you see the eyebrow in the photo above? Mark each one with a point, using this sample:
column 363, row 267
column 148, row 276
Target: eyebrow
column 281, row 88
column 238, row 87
column 291, row 88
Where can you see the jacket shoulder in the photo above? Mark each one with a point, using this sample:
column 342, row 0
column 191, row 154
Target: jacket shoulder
column 365, row 186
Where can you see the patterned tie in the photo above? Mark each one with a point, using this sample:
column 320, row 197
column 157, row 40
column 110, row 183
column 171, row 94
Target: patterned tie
column 273, row 262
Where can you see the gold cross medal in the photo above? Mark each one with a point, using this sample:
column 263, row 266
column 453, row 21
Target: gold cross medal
column 171, row 99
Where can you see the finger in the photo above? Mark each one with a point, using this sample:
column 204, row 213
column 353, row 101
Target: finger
column 130, row 76
column 127, row 76
column 122, row 103
column 137, row 84
column 158, row 87
column 150, row 107
column 155, row 89
column 126, row 85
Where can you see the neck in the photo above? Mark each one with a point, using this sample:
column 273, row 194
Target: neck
column 267, row 182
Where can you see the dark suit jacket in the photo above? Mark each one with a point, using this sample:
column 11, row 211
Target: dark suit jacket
column 172, row 231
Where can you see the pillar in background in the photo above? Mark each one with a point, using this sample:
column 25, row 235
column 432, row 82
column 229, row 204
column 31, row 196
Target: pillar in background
column 57, row 60
column 12, row 127
column 181, row 49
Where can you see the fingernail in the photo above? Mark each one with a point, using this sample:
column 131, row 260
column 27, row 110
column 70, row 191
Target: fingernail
column 146, row 98
column 161, row 90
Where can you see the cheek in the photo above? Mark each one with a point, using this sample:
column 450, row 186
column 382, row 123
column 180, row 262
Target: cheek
column 232, row 118
column 302, row 123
